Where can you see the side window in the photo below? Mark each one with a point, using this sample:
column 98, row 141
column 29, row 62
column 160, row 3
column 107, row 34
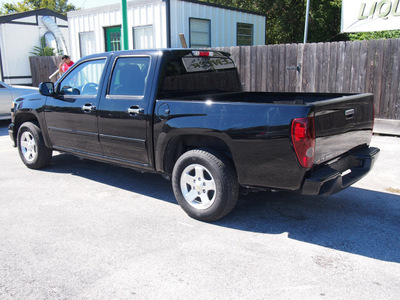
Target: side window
column 200, row 33
column 143, row 37
column 129, row 76
column 84, row 79
column 244, row 35
column 87, row 43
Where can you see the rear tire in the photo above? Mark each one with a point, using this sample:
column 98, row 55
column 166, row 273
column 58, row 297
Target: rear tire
column 205, row 185
column 31, row 146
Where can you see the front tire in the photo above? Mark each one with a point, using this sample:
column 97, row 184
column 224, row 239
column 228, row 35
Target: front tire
column 205, row 185
column 31, row 146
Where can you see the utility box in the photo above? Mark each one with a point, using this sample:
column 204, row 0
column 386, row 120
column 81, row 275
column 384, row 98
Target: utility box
column 154, row 24
column 20, row 33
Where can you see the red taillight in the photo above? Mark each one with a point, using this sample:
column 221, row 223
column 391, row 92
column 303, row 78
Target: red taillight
column 303, row 136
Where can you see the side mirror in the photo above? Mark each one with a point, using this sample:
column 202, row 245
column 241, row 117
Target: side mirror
column 46, row 89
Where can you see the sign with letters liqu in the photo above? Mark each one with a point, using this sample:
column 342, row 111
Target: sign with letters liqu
column 370, row 15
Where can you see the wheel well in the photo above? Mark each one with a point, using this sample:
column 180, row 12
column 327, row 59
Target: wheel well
column 22, row 118
column 182, row 144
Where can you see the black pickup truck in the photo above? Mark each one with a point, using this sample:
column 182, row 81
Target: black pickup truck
column 182, row 113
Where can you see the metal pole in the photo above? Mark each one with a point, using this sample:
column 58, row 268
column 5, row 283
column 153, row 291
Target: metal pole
column 124, row 25
column 168, row 20
column 306, row 25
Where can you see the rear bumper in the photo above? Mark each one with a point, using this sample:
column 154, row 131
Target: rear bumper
column 11, row 134
column 341, row 173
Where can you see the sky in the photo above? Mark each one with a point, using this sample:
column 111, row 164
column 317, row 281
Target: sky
column 77, row 3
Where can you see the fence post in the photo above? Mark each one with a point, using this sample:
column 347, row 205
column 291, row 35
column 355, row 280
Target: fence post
column 42, row 67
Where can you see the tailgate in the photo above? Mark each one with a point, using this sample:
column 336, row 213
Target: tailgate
column 341, row 125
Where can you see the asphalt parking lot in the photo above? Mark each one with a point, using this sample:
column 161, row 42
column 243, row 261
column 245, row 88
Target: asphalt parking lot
column 87, row 230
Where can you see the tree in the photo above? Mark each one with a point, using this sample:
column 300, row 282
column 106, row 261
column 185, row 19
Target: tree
column 388, row 34
column 286, row 18
column 60, row 6
column 44, row 50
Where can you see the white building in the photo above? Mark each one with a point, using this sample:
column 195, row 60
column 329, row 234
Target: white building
column 158, row 23
column 19, row 34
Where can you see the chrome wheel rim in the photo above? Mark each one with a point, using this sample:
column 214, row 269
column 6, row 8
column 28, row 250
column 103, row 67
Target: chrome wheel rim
column 28, row 146
column 198, row 186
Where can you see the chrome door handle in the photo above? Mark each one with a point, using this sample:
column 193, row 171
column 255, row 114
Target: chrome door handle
column 88, row 107
column 349, row 114
column 135, row 110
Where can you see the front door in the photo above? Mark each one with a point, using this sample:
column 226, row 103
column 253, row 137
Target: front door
column 113, row 38
column 123, row 112
column 71, row 117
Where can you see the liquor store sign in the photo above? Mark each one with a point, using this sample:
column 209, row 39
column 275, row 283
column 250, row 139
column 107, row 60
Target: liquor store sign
column 370, row 15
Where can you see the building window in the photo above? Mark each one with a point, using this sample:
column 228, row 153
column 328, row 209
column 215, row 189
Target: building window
column 113, row 38
column 143, row 37
column 86, row 43
column 200, row 33
column 244, row 34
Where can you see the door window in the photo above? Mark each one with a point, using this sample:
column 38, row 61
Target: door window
column 84, row 79
column 129, row 76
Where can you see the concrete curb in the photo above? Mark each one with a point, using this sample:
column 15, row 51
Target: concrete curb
column 387, row 127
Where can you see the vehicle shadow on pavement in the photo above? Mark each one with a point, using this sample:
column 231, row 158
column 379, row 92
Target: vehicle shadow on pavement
column 152, row 185
column 356, row 221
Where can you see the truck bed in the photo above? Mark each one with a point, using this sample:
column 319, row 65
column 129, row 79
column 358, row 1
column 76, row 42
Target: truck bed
column 265, row 97
column 343, row 124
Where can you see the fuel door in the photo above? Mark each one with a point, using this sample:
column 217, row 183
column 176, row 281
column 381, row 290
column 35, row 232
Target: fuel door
column 163, row 111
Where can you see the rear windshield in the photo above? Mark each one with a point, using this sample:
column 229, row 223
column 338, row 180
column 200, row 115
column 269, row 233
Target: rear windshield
column 189, row 75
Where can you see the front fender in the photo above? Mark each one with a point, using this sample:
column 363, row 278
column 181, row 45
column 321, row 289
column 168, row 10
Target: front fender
column 30, row 108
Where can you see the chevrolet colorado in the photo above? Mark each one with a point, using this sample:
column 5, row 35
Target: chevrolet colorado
column 182, row 113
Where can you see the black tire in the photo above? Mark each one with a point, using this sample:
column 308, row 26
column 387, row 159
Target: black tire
column 205, row 185
column 31, row 146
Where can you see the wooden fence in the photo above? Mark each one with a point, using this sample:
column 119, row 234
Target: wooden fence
column 340, row 67
column 42, row 67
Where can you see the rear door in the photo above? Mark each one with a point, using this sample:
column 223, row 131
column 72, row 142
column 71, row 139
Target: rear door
column 71, row 117
column 124, row 111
